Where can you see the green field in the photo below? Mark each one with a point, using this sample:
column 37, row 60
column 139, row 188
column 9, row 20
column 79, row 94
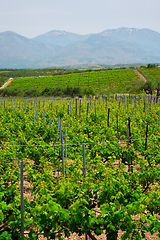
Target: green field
column 5, row 74
column 92, row 82
column 152, row 74
column 109, row 182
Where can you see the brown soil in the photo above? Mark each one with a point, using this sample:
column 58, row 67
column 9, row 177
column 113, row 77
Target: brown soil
column 103, row 237
column 6, row 83
column 140, row 75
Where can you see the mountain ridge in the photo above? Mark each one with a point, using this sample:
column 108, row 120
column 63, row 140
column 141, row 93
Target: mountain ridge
column 61, row 48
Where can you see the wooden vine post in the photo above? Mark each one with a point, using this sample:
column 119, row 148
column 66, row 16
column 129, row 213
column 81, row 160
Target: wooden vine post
column 117, row 126
column 130, row 167
column 108, row 117
column 146, row 137
column 84, row 171
column 22, row 204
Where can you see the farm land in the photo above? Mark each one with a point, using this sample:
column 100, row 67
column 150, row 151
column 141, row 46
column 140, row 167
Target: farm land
column 82, row 83
column 90, row 164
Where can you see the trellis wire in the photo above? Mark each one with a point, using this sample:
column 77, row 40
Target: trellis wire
column 76, row 144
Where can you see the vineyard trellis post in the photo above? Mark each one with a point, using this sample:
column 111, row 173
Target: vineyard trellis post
column 108, row 117
column 62, row 154
column 65, row 143
column 22, row 203
column 51, row 119
column 145, row 114
column 87, row 109
column 130, row 167
column 146, row 137
column 25, row 104
column 84, row 171
column 76, row 107
column 44, row 117
column 71, row 107
column 117, row 126
column 60, row 130
column 80, row 108
column 37, row 109
column 128, row 132
column 34, row 114
column 84, row 161
column 57, row 129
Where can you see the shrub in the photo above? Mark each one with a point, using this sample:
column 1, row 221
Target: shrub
column 88, row 91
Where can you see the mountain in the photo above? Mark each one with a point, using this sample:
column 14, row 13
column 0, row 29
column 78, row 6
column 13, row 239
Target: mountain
column 146, row 39
column 60, row 38
column 18, row 51
column 61, row 48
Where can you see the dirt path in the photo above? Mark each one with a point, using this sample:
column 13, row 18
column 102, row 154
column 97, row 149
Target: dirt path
column 6, row 83
column 140, row 75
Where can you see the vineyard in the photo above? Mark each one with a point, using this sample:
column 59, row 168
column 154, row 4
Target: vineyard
column 151, row 73
column 88, row 166
column 84, row 83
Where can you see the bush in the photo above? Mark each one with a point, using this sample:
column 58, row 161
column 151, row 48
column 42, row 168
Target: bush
column 31, row 92
column 48, row 91
column 68, row 91
column 71, row 91
column 88, row 91
column 9, row 92
column 136, row 86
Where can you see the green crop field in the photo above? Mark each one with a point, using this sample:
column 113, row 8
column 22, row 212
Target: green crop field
column 93, row 82
column 151, row 73
column 90, row 166
column 5, row 74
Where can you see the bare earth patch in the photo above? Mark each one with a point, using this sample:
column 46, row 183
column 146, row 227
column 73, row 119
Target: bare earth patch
column 6, row 83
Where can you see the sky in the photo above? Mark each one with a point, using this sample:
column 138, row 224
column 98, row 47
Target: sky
column 31, row 18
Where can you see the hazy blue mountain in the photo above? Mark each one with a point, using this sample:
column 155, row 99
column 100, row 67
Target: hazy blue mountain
column 61, row 48
column 60, row 38
column 139, row 36
column 144, row 38
column 18, row 51
column 102, row 50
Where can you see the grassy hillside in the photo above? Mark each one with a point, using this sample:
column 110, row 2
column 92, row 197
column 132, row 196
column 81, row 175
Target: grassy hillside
column 5, row 74
column 152, row 74
column 90, row 83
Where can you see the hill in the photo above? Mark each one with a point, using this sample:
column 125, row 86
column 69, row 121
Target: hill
column 61, row 48
column 78, row 83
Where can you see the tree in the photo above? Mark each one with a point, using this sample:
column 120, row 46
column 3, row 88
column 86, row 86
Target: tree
column 148, row 87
